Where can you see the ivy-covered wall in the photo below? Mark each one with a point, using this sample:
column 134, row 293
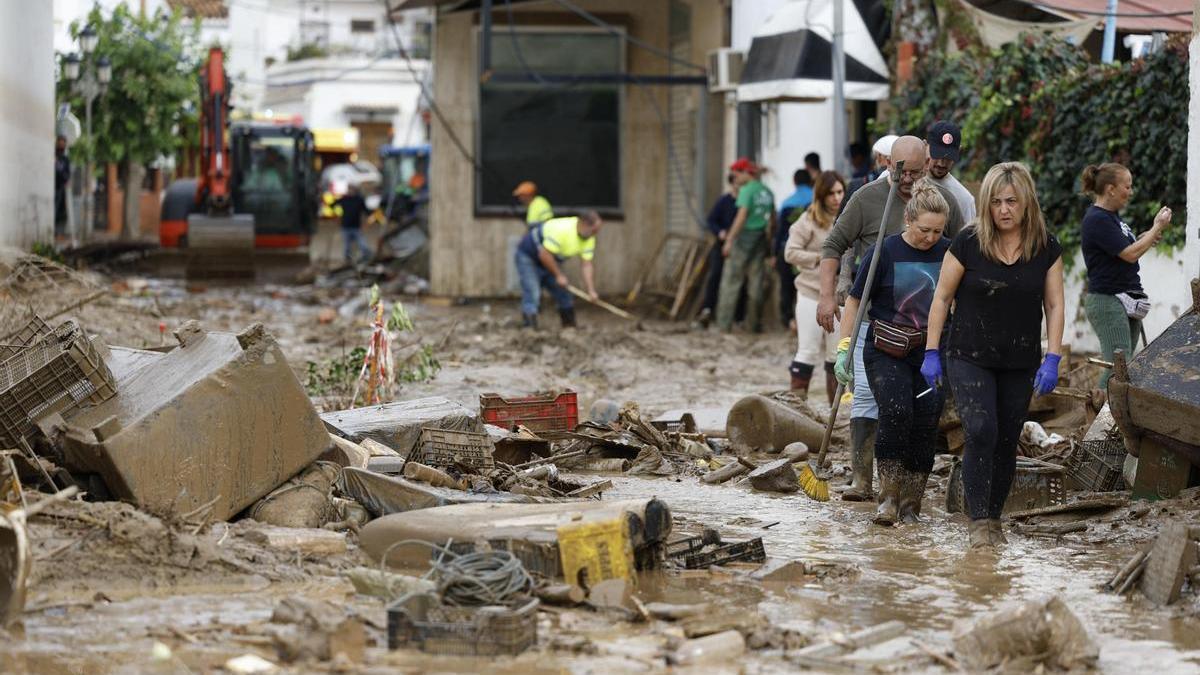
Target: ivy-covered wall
column 1041, row 101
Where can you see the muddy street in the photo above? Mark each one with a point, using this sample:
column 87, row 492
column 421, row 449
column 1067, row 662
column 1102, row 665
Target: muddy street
column 116, row 589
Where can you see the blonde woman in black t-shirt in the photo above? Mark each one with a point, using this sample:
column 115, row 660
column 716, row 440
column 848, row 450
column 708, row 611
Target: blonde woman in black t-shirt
column 1002, row 274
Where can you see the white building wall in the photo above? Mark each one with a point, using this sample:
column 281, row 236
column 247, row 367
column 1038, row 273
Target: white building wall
column 27, row 76
column 791, row 130
column 320, row 91
column 262, row 31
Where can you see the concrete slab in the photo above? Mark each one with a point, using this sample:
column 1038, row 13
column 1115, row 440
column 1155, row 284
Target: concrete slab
column 221, row 419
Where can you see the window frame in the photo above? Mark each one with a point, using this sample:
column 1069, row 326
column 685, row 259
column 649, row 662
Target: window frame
column 615, row 213
column 361, row 27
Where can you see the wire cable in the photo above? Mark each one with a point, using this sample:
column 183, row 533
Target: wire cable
column 471, row 579
column 1120, row 15
column 610, row 28
column 425, row 93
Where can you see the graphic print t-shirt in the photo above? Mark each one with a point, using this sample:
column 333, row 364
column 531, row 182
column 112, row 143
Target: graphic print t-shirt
column 902, row 290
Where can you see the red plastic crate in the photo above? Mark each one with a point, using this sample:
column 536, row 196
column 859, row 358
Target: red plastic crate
column 550, row 411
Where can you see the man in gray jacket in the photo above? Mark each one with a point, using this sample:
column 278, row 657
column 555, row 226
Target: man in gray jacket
column 856, row 229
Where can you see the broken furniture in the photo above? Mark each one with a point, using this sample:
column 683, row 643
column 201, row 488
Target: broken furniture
column 220, row 421
column 1155, row 399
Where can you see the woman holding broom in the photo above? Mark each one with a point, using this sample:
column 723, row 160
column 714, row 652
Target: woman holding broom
column 1002, row 274
column 900, row 296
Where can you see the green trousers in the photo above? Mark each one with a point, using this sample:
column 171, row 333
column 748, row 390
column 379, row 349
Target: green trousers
column 1113, row 326
column 742, row 266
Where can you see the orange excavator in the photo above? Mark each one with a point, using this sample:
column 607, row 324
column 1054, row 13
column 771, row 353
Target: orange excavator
column 256, row 188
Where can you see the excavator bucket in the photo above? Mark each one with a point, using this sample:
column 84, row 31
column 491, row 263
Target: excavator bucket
column 220, row 247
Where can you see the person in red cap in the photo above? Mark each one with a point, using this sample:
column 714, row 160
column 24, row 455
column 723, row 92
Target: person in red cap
column 746, row 248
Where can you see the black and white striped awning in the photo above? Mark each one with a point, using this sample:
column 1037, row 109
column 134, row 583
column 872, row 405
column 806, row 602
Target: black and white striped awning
column 791, row 56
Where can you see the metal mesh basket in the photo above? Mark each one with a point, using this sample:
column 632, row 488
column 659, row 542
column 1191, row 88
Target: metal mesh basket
column 61, row 372
column 1096, row 465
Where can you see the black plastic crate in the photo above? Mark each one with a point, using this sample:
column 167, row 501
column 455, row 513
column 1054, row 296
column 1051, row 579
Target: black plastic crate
column 1097, row 465
column 693, row 558
column 442, row 448
column 421, row 621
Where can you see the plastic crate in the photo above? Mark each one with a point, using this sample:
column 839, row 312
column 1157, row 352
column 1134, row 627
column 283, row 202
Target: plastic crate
column 750, row 551
column 1033, row 487
column 13, row 343
column 421, row 621
column 1096, row 465
column 441, row 447
column 540, row 412
column 61, row 372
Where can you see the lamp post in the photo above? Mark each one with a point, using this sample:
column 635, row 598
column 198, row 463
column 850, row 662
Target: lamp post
column 90, row 78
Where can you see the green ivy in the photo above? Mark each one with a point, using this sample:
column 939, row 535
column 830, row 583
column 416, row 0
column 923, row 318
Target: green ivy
column 1040, row 101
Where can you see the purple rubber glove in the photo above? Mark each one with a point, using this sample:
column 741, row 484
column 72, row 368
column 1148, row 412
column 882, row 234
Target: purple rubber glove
column 1047, row 376
column 931, row 368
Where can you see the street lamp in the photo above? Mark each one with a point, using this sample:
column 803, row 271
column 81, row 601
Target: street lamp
column 89, row 78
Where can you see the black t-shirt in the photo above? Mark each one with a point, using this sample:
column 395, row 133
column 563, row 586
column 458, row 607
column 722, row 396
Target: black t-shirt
column 904, row 281
column 1105, row 235
column 997, row 321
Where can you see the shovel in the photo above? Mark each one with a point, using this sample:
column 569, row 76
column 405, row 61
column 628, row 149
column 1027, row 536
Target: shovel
column 814, row 480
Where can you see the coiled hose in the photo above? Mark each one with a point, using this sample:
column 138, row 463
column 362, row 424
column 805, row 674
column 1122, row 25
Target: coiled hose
column 472, row 579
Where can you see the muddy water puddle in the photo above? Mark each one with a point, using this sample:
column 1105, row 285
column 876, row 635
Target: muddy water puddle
column 921, row 575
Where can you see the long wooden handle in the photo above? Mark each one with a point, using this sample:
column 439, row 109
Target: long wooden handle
column 601, row 304
column 837, row 403
column 870, row 280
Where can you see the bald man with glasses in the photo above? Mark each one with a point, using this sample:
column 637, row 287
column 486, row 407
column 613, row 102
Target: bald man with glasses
column 856, row 229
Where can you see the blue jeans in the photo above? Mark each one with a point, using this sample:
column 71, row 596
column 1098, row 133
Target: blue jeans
column 351, row 237
column 533, row 276
column 863, row 405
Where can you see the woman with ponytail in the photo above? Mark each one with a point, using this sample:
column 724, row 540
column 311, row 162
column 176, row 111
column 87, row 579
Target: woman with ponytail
column 1115, row 303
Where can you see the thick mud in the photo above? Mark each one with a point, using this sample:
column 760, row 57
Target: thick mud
column 119, row 591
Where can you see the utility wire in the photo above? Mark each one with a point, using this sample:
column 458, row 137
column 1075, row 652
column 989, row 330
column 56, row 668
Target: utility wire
column 608, row 27
column 425, row 93
column 1120, row 15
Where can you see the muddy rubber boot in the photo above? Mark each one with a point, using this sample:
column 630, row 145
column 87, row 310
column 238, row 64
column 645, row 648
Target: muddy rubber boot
column 978, row 535
column 529, row 321
column 889, row 494
column 862, row 460
column 568, row 318
column 830, row 386
column 912, row 490
column 996, row 532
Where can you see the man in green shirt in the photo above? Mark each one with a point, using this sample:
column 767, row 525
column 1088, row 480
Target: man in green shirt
column 747, row 248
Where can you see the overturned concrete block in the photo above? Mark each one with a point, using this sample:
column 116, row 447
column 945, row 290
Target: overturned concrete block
column 777, row 476
column 398, row 425
column 1044, row 631
column 221, row 419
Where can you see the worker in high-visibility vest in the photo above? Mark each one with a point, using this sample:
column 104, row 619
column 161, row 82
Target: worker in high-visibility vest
column 538, row 208
column 539, row 258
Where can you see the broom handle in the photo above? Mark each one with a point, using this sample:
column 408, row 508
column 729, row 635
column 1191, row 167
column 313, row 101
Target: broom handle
column 862, row 307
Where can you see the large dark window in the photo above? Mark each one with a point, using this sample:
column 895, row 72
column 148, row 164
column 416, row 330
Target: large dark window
column 564, row 137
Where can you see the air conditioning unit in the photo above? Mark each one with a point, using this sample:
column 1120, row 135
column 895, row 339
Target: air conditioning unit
column 725, row 69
